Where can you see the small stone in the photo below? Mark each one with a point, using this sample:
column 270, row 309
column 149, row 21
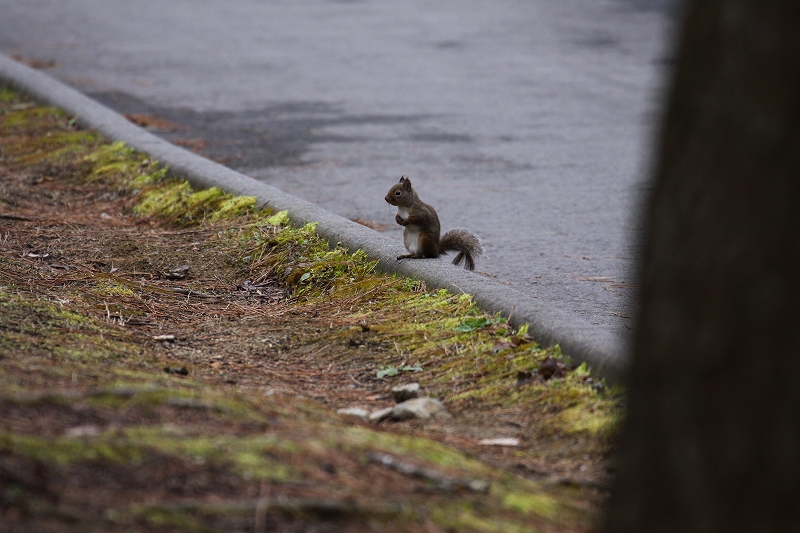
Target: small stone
column 179, row 272
column 478, row 485
column 423, row 408
column 83, row 431
column 356, row 412
column 401, row 393
column 380, row 415
column 501, row 441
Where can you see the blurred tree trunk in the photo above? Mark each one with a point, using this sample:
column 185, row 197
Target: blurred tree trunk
column 712, row 436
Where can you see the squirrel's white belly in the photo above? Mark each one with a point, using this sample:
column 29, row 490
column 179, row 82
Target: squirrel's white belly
column 410, row 233
column 411, row 239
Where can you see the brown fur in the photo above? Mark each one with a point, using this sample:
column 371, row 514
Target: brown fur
column 421, row 229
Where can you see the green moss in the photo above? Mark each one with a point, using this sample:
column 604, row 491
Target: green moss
column 166, row 200
column 92, row 348
column 189, row 397
column 32, row 316
column 174, row 519
column 7, row 95
column 250, row 457
column 532, row 504
column 115, row 290
column 179, row 203
column 597, row 418
column 278, row 219
column 198, row 201
column 62, row 334
column 148, row 178
column 234, row 206
column 63, row 451
column 26, row 115
column 355, row 437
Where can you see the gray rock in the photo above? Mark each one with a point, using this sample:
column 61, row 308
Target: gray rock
column 423, row 408
column 402, row 393
column 356, row 412
column 500, row 441
column 381, row 414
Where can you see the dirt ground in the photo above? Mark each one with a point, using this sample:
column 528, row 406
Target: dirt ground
column 154, row 379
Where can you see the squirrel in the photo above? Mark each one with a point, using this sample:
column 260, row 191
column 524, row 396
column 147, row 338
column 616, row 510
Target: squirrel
column 421, row 229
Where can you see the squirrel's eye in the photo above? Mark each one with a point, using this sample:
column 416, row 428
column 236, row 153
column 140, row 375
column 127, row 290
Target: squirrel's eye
column 397, row 193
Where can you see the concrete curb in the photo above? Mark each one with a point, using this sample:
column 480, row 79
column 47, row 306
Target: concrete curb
column 601, row 350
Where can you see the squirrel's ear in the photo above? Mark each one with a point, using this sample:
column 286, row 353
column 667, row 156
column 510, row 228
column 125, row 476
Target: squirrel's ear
column 407, row 184
column 402, row 179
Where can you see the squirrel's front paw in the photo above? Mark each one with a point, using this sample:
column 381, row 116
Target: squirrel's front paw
column 399, row 219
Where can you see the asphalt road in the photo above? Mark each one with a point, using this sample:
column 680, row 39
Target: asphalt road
column 528, row 122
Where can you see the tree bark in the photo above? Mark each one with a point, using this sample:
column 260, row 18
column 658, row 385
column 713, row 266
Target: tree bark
column 711, row 440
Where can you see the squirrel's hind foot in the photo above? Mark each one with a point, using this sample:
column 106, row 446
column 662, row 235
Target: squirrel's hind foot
column 410, row 256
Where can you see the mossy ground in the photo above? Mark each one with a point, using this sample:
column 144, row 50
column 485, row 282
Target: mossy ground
column 137, row 394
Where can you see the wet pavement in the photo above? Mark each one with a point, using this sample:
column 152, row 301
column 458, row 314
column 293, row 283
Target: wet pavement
column 528, row 122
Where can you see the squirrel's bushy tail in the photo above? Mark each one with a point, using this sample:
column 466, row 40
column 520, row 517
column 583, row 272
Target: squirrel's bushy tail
column 465, row 243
